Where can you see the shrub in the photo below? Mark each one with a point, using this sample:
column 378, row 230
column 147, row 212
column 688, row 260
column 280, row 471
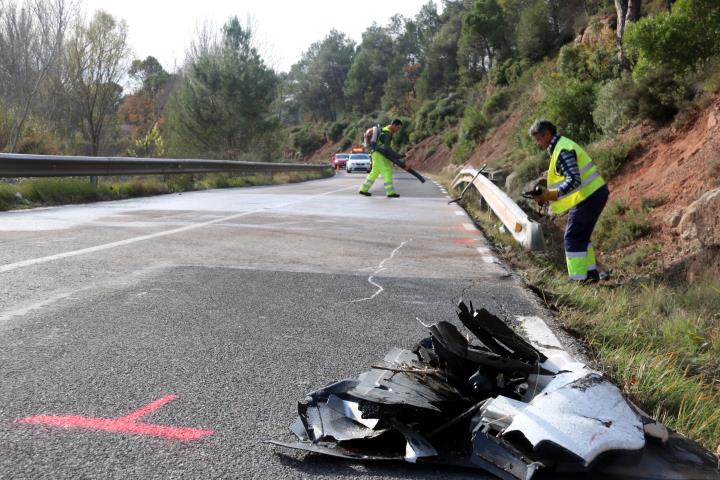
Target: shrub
column 614, row 105
column 462, row 151
column 711, row 83
column 532, row 167
column 595, row 62
column 650, row 203
column 678, row 41
column 450, row 138
column 59, row 190
column 474, row 124
column 570, row 103
column 496, row 103
column 306, row 140
column 346, row 143
column 430, row 152
column 7, row 197
column 435, row 116
column 509, row 71
column 611, row 158
column 638, row 256
column 657, row 96
column 335, row 130
column 619, row 225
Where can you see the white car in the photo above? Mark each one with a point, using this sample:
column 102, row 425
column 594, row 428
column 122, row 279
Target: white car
column 358, row 161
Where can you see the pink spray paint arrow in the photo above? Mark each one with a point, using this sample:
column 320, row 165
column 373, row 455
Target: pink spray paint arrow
column 127, row 424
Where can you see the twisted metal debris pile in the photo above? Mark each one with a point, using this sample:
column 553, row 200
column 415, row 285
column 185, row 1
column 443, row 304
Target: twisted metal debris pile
column 496, row 403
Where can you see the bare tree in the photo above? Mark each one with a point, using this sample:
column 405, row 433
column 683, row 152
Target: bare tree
column 31, row 39
column 98, row 57
column 628, row 11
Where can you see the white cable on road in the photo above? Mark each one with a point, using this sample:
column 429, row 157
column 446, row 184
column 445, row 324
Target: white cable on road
column 74, row 253
column 380, row 268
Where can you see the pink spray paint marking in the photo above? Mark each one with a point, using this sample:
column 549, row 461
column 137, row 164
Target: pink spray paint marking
column 127, row 424
column 465, row 241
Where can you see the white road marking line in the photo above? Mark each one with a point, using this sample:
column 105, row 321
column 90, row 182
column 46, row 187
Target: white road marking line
column 490, row 259
column 484, row 250
column 74, row 253
column 469, row 227
column 539, row 334
column 460, row 214
column 380, row 269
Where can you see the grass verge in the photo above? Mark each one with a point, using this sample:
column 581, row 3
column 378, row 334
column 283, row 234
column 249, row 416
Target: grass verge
column 61, row 191
column 660, row 342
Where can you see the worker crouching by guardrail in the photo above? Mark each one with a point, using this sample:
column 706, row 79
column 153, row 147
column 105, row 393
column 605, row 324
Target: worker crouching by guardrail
column 574, row 185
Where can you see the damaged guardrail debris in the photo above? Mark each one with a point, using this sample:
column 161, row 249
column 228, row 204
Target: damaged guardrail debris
column 525, row 231
column 21, row 165
column 490, row 400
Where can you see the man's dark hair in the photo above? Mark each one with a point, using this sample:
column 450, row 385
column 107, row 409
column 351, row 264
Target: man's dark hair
column 542, row 126
column 397, row 122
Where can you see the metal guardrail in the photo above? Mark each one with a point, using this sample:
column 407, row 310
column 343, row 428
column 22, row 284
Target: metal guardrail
column 525, row 231
column 20, row 165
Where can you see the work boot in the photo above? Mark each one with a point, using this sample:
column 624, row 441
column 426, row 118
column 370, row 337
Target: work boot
column 393, row 195
column 593, row 276
column 367, row 194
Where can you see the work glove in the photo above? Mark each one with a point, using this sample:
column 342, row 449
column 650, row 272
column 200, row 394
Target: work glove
column 545, row 195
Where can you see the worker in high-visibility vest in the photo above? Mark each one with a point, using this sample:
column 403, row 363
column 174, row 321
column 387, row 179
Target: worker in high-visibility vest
column 381, row 150
column 574, row 185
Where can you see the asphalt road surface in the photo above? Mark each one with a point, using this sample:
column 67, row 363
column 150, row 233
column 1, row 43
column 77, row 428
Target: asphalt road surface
column 225, row 308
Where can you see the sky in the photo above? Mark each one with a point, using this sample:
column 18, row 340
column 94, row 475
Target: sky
column 285, row 29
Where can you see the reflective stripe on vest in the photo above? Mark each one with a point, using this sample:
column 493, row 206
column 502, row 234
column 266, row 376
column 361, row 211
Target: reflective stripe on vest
column 589, row 177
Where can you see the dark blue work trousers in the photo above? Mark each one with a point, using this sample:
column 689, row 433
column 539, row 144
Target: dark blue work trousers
column 582, row 219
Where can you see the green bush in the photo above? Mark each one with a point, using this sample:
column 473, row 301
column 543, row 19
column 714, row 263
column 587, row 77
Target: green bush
column 611, row 158
column 532, row 167
column 509, row 71
column 711, row 82
column 462, row 151
column 59, row 190
column 181, row 183
column 8, row 200
column 620, row 225
column 435, row 116
column 657, row 96
column 474, row 124
column 346, row 143
column 676, row 41
column 614, row 105
column 596, row 62
column 638, row 256
column 569, row 103
column 335, row 130
column 306, row 140
column 496, row 103
column 450, row 138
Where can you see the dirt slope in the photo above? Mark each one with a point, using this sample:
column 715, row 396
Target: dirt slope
column 675, row 165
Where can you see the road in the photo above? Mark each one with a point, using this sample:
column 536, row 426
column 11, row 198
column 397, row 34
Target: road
column 227, row 306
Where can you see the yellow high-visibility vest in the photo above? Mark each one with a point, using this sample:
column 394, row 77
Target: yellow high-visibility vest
column 590, row 177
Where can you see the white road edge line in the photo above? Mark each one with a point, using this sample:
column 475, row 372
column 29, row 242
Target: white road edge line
column 469, row 227
column 539, row 334
column 74, row 253
column 380, row 269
